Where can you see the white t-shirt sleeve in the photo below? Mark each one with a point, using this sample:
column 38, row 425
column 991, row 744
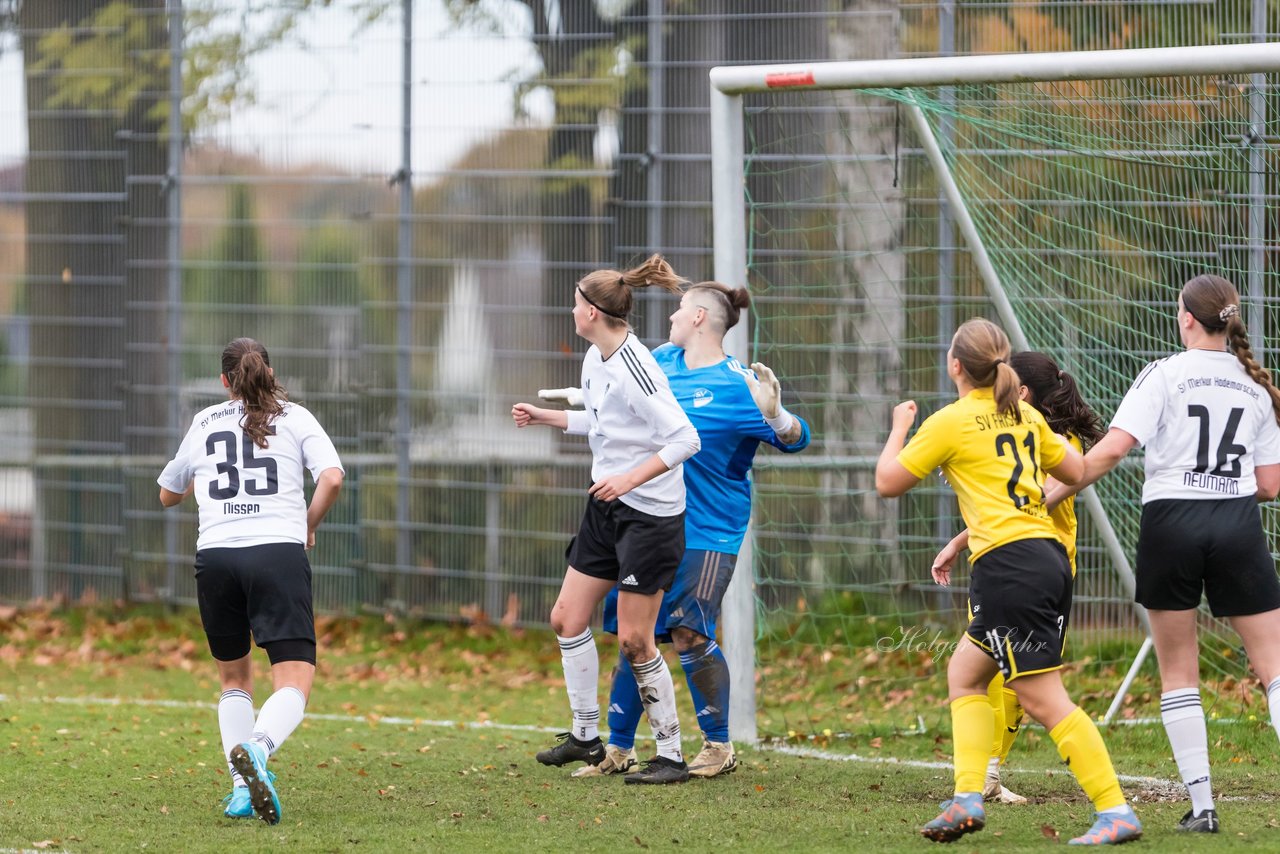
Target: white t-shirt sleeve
column 318, row 452
column 177, row 473
column 649, row 393
column 1266, row 449
column 579, row 422
column 1140, row 412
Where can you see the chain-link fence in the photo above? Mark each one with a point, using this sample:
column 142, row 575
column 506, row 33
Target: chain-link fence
column 397, row 205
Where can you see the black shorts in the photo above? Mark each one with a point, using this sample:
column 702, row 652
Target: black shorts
column 1020, row 600
column 1216, row 546
column 264, row 590
column 637, row 550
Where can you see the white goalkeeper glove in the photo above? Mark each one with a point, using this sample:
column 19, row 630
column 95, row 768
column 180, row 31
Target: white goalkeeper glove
column 767, row 393
column 571, row 396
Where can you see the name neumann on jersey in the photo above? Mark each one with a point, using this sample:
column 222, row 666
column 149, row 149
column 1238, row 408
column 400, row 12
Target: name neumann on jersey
column 1211, row 482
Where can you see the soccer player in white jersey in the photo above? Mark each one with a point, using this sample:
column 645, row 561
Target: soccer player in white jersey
column 243, row 460
column 1208, row 420
column 632, row 532
column 734, row 411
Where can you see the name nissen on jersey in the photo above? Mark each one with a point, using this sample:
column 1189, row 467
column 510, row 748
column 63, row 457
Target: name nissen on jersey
column 1221, row 382
column 230, row 509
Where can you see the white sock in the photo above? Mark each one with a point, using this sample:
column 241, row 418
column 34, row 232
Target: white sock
column 582, row 682
column 1183, row 718
column 993, row 769
column 280, row 716
column 658, row 695
column 235, row 722
column 1273, row 702
column 1123, row 809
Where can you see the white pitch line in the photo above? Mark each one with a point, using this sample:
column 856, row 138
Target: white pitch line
column 789, row 750
column 213, row 707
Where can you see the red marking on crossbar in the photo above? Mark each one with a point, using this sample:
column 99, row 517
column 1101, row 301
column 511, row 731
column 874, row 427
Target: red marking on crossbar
column 790, row 78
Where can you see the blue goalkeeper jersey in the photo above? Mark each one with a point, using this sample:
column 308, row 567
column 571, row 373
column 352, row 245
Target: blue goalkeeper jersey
column 717, row 479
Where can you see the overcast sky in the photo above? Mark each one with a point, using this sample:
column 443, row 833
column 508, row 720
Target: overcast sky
column 338, row 101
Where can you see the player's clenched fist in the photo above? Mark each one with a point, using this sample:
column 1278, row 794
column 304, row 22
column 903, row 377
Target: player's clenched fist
column 525, row 414
column 904, row 415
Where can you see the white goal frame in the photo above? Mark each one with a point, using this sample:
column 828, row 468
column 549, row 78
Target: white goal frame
column 730, row 83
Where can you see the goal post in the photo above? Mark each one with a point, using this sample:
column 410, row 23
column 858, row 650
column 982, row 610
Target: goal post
column 1038, row 169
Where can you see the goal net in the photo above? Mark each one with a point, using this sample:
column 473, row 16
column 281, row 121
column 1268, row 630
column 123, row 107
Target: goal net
column 875, row 206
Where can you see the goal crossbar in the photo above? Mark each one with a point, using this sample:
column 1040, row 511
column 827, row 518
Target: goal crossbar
column 999, row 68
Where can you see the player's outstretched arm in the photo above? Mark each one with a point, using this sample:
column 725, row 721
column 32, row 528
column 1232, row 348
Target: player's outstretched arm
column 1102, row 458
column 525, row 414
column 571, row 396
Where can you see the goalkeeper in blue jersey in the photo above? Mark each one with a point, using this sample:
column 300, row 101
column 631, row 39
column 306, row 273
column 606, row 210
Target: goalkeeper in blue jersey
column 734, row 410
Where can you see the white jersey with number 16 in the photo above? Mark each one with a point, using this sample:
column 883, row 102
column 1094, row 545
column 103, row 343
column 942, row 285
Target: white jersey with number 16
column 1205, row 425
column 249, row 496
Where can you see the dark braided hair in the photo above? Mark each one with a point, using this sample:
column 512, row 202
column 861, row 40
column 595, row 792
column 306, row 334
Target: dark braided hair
column 247, row 367
column 1215, row 304
column 1056, row 396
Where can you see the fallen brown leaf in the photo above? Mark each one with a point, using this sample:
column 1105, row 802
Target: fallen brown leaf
column 513, row 611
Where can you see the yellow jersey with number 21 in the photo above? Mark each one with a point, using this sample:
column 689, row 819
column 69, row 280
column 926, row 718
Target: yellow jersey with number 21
column 995, row 465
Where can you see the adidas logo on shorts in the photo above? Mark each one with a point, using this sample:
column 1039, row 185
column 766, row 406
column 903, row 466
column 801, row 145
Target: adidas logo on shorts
column 631, row 579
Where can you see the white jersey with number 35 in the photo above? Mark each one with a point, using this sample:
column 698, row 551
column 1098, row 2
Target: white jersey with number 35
column 1204, row 423
column 249, row 496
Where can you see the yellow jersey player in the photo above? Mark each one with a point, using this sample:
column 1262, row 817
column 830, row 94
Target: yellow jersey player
column 1055, row 395
column 996, row 450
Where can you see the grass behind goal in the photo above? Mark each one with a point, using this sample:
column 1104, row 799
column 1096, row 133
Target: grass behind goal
column 1095, row 201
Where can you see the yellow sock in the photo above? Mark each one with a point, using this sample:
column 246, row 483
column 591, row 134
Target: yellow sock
column 1012, row 720
column 971, row 740
column 1080, row 746
column 995, row 697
